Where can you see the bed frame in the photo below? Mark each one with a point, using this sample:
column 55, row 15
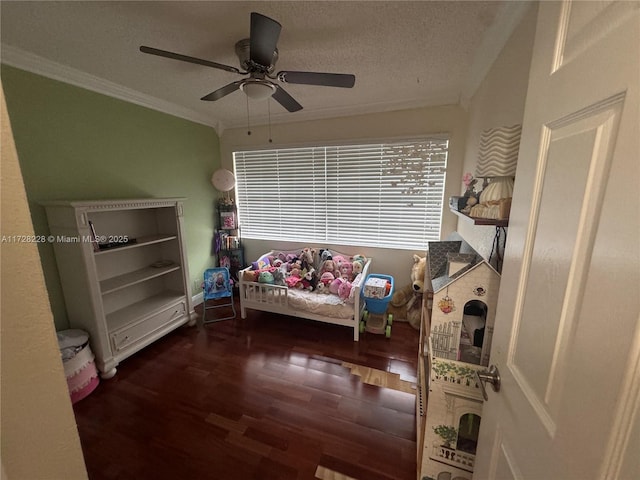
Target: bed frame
column 275, row 299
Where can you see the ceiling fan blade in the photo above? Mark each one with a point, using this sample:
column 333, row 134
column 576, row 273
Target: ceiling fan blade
column 313, row 78
column 264, row 39
column 221, row 92
column 286, row 100
column 186, row 58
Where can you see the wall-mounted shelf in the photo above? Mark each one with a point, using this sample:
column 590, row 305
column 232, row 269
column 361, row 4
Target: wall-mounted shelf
column 483, row 221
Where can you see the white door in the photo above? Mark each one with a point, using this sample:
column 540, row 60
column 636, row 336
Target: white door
column 567, row 333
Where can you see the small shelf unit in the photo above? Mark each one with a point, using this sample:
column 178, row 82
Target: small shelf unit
column 229, row 250
column 131, row 294
column 483, row 221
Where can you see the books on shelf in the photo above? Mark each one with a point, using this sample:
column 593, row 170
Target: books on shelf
column 224, row 241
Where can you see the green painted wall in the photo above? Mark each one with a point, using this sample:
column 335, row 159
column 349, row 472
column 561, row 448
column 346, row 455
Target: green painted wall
column 76, row 144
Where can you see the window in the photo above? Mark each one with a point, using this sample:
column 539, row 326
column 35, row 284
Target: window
column 379, row 195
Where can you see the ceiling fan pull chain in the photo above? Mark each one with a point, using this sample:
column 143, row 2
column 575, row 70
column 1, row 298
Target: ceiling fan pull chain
column 248, row 124
column 269, row 117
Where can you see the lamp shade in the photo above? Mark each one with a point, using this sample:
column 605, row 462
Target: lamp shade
column 498, row 152
column 501, row 187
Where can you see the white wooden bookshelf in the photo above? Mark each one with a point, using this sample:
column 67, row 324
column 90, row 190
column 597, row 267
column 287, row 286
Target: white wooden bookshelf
column 129, row 295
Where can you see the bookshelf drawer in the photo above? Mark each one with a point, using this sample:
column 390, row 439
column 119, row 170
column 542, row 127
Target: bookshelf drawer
column 128, row 336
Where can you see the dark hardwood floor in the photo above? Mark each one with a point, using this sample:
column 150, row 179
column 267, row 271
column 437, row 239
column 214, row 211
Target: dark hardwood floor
column 269, row 397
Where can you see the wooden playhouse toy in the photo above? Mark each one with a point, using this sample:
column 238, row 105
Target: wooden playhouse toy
column 465, row 294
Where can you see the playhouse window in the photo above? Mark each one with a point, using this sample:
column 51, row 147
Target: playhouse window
column 468, row 430
column 472, row 332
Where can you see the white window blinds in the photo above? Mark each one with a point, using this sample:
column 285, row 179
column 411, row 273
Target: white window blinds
column 380, row 195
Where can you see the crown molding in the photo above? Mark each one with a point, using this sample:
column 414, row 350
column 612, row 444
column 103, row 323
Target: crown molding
column 346, row 111
column 18, row 58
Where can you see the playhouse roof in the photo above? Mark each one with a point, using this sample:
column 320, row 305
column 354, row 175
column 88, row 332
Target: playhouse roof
column 452, row 259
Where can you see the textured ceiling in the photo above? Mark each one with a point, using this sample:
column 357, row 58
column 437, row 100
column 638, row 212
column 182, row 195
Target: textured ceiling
column 403, row 54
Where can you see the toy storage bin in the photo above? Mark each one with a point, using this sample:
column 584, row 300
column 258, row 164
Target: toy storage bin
column 378, row 305
column 79, row 363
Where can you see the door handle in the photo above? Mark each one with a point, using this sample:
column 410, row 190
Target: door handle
column 491, row 376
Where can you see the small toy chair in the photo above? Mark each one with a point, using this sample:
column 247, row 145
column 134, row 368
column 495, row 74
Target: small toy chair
column 217, row 285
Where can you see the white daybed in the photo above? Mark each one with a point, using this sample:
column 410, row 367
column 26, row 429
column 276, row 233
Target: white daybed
column 313, row 305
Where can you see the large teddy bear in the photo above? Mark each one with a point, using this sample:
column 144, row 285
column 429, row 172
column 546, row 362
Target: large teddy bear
column 406, row 303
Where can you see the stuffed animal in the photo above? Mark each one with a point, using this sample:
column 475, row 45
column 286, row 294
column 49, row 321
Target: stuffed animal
column 325, row 255
column 307, row 257
column 326, row 278
column 346, row 270
column 335, row 285
column 310, row 279
column 339, row 260
column 249, row 276
column 359, row 257
column 278, row 277
column 293, row 281
column 266, row 277
column 252, row 275
column 290, row 260
column 295, row 267
column 358, row 266
column 344, row 289
column 329, row 266
column 406, row 303
column 289, row 257
column 358, row 261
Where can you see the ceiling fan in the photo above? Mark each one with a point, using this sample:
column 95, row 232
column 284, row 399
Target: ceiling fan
column 258, row 56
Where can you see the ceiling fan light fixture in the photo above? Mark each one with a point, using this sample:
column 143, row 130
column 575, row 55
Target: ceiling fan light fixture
column 258, row 55
column 258, row 89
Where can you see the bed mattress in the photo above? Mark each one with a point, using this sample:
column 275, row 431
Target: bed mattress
column 320, row 304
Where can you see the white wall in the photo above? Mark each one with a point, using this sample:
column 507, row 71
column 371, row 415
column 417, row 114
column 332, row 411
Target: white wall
column 375, row 127
column 499, row 101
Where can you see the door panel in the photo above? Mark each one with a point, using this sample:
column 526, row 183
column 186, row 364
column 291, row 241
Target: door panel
column 575, row 160
column 583, row 25
column 567, row 333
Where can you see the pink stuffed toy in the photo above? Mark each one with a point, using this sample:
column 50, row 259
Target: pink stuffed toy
column 335, row 285
column 339, row 260
column 293, row 281
column 344, row 290
column 346, row 270
column 326, row 278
